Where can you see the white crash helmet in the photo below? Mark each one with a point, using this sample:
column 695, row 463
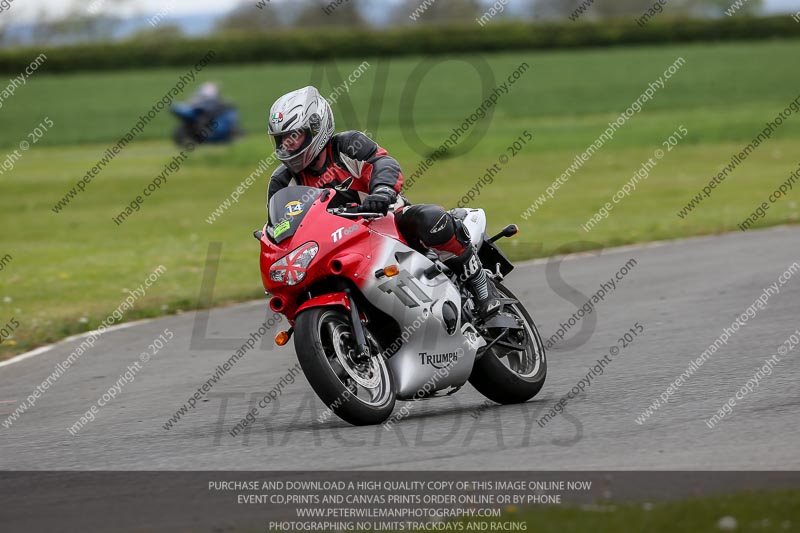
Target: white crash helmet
column 301, row 110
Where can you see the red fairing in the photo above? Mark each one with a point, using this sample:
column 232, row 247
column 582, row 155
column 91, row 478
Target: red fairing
column 345, row 249
column 386, row 226
column 334, row 298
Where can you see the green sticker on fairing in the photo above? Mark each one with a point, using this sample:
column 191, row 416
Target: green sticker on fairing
column 281, row 228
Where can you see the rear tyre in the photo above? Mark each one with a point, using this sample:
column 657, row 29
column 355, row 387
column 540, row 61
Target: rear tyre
column 510, row 376
column 359, row 391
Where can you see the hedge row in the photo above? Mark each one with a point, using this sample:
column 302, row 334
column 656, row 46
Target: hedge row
column 297, row 45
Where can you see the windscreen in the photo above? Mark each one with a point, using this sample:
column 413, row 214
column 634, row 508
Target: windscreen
column 287, row 208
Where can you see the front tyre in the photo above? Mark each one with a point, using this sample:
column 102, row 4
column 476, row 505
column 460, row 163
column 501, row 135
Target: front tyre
column 506, row 375
column 182, row 135
column 358, row 390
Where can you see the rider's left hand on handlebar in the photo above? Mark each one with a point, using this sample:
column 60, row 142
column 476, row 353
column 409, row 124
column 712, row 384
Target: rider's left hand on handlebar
column 379, row 201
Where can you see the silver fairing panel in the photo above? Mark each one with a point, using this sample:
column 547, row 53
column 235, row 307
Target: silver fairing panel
column 475, row 222
column 428, row 359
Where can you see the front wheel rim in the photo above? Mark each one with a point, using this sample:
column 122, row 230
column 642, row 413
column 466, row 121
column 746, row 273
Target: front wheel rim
column 368, row 381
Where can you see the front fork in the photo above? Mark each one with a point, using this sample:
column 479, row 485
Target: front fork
column 358, row 327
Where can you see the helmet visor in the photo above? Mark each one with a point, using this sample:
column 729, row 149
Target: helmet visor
column 290, row 144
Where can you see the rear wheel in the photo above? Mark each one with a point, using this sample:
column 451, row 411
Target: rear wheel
column 514, row 369
column 359, row 390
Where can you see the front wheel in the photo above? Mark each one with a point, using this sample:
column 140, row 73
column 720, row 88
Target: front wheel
column 359, row 390
column 182, row 135
column 505, row 373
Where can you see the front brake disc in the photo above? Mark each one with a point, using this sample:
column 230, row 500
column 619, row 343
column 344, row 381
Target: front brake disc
column 372, row 379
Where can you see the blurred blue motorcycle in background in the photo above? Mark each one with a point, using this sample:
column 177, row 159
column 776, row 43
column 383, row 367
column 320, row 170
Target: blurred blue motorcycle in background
column 206, row 118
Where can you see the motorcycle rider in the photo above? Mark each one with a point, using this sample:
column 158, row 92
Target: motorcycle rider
column 207, row 98
column 301, row 125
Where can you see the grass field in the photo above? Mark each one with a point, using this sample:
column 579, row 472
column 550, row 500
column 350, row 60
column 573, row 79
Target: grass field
column 67, row 271
column 746, row 512
column 763, row 512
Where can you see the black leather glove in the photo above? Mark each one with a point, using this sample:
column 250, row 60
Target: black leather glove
column 379, row 201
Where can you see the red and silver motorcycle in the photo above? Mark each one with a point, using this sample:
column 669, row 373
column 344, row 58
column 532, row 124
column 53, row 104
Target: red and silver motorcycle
column 375, row 321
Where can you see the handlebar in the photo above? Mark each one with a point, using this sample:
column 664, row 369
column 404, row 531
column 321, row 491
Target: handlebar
column 353, row 211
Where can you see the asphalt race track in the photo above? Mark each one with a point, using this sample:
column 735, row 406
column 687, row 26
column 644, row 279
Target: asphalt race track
column 681, row 293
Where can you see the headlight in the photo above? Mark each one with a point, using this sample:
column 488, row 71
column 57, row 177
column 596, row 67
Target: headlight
column 291, row 268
